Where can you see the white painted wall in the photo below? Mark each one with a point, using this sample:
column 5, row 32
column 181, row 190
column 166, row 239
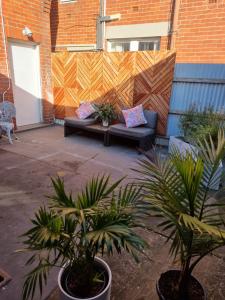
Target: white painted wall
column 137, row 30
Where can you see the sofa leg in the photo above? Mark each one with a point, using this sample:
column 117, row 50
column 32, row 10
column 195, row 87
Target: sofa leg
column 107, row 140
column 67, row 130
column 145, row 144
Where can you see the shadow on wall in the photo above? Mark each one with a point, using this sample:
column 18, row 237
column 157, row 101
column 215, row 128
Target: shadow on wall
column 125, row 80
column 54, row 21
column 5, row 83
column 28, row 112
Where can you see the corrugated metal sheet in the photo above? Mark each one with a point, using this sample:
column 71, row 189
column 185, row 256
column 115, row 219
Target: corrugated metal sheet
column 196, row 91
column 212, row 71
column 173, row 125
column 202, row 95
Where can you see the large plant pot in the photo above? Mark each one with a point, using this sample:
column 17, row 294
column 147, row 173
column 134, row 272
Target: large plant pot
column 184, row 148
column 165, row 277
column 104, row 295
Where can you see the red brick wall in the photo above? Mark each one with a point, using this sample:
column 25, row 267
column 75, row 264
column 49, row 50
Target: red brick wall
column 200, row 35
column 139, row 11
column 36, row 15
column 201, row 31
column 74, row 23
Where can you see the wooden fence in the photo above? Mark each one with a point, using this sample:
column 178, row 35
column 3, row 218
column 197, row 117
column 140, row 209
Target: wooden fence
column 125, row 79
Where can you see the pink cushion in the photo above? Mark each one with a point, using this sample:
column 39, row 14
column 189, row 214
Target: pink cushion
column 85, row 110
column 134, row 116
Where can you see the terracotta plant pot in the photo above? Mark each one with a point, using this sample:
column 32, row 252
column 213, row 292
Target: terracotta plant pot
column 200, row 293
column 103, row 295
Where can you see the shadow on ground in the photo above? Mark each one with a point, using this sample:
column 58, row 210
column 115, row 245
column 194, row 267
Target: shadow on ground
column 25, row 171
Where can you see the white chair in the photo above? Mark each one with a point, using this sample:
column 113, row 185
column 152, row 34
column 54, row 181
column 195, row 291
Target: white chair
column 7, row 113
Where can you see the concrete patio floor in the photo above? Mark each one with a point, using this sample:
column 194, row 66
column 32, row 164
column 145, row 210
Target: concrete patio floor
column 25, row 171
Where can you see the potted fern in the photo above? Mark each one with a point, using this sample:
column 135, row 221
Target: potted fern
column 71, row 232
column 105, row 113
column 189, row 215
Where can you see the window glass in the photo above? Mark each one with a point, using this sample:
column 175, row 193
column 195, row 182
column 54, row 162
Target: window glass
column 146, row 46
column 134, row 44
column 119, row 46
column 67, row 1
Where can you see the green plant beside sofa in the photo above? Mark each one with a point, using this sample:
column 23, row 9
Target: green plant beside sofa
column 105, row 113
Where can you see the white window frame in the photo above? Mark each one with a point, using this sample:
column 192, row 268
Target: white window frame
column 67, row 1
column 134, row 43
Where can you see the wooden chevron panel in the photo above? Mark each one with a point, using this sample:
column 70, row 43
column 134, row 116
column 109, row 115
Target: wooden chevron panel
column 124, row 79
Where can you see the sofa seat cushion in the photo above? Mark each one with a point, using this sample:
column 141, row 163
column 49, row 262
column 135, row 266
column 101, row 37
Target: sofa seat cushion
column 137, row 132
column 75, row 121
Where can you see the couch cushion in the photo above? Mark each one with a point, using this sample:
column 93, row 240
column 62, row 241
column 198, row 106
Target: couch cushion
column 85, row 110
column 134, row 116
column 79, row 122
column 151, row 117
column 137, row 132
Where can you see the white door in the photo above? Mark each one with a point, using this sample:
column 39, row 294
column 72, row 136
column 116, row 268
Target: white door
column 25, row 73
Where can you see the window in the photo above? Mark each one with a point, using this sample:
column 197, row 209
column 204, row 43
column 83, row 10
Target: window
column 67, row 1
column 121, row 45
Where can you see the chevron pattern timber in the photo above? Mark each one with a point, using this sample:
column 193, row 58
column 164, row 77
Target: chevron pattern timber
column 124, row 79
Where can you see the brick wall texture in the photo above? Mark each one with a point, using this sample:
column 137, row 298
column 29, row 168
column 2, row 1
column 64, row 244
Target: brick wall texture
column 36, row 15
column 199, row 35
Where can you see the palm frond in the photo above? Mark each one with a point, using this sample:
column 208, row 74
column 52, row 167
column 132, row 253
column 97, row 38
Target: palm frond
column 38, row 276
column 60, row 198
column 195, row 224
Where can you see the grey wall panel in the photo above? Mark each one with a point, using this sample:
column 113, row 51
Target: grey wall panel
column 213, row 71
column 202, row 95
column 199, row 84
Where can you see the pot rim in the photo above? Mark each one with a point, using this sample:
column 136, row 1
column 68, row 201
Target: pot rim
column 177, row 270
column 104, row 264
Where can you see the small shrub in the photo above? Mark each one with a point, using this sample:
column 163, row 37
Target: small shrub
column 197, row 125
column 105, row 112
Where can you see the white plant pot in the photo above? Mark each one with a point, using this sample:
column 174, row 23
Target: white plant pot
column 180, row 145
column 185, row 148
column 105, row 123
column 104, row 295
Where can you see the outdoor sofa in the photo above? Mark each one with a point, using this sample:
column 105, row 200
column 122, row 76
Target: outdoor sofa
column 144, row 135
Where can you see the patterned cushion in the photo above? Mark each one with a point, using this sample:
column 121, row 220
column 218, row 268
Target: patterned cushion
column 134, row 116
column 85, row 110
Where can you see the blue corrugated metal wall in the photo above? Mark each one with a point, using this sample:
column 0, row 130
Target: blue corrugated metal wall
column 199, row 84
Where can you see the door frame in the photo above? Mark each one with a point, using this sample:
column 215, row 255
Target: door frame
column 36, row 46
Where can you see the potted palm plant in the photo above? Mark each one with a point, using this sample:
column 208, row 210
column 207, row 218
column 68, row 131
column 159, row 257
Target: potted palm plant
column 106, row 113
column 71, row 232
column 189, row 214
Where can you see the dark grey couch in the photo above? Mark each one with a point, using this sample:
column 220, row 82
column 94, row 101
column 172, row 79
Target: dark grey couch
column 73, row 123
column 145, row 134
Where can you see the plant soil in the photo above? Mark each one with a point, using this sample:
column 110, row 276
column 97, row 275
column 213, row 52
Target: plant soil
column 167, row 286
column 71, row 284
